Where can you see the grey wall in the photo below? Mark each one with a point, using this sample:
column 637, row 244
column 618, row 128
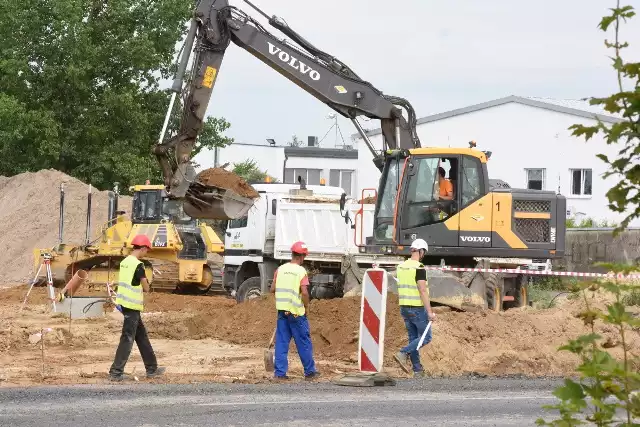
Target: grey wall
column 584, row 247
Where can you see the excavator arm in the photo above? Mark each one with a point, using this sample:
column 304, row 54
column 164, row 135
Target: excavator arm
column 214, row 26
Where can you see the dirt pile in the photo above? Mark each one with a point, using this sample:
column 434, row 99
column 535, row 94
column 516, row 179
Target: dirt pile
column 29, row 217
column 218, row 177
column 514, row 342
column 371, row 200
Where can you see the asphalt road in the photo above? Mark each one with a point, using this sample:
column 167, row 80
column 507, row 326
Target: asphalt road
column 435, row 402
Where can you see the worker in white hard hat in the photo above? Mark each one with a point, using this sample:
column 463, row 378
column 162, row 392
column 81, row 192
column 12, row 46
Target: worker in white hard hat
column 415, row 308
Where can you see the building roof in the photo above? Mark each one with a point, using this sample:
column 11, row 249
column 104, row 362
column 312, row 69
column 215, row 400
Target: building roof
column 318, row 152
column 567, row 106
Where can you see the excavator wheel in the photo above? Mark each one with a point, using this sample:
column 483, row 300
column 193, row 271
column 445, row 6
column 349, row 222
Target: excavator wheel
column 521, row 295
column 494, row 291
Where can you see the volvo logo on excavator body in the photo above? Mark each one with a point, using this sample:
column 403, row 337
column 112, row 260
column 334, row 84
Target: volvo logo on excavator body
column 475, row 239
column 293, row 62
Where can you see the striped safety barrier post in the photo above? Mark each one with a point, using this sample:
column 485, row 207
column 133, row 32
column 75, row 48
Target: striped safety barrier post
column 373, row 309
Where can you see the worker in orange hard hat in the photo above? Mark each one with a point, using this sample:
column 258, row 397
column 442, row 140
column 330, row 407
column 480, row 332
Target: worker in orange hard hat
column 290, row 284
column 129, row 300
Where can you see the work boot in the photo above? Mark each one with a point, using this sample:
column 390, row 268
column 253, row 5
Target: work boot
column 312, row 376
column 116, row 377
column 159, row 371
column 283, row 378
column 402, row 359
column 419, row 374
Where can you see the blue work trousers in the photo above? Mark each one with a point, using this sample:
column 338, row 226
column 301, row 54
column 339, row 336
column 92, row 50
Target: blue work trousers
column 297, row 327
column 416, row 320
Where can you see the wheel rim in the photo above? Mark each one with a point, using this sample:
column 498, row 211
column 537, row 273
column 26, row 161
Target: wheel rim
column 253, row 294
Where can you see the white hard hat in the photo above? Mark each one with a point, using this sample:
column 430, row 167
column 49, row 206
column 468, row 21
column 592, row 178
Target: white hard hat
column 419, row 244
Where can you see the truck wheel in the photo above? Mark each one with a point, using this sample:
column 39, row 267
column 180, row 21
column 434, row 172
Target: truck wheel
column 249, row 289
column 494, row 291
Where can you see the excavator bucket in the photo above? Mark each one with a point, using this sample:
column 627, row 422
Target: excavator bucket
column 447, row 289
column 219, row 194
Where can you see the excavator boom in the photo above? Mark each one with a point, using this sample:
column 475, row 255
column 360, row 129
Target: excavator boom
column 214, row 25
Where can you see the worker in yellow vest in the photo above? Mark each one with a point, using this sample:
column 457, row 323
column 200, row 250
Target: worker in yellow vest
column 130, row 301
column 415, row 308
column 290, row 284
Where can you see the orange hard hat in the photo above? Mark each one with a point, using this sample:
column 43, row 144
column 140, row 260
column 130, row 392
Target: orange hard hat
column 299, row 248
column 141, row 240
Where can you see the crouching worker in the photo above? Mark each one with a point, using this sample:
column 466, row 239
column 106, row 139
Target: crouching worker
column 129, row 300
column 290, row 284
column 415, row 307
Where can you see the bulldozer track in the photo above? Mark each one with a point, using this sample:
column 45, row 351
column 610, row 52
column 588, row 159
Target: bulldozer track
column 165, row 275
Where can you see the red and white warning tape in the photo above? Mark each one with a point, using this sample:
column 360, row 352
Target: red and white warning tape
column 535, row 272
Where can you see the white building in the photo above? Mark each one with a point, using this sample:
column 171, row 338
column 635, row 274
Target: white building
column 531, row 147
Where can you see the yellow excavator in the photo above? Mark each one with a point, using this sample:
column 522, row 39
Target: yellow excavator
column 180, row 257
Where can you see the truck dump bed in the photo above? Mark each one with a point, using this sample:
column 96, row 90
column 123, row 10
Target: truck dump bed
column 322, row 227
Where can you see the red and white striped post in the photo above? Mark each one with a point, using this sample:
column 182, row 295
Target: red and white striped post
column 373, row 309
column 372, row 320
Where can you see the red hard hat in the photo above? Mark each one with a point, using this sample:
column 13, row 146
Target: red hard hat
column 299, row 248
column 141, row 240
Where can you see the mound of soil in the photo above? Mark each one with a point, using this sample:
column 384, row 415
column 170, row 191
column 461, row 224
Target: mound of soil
column 218, row 177
column 522, row 341
column 29, row 218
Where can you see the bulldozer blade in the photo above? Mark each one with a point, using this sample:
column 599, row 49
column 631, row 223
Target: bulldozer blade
column 215, row 203
column 445, row 289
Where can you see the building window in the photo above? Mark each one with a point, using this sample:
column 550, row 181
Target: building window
column 311, row 176
column 341, row 178
column 536, row 179
column 581, row 182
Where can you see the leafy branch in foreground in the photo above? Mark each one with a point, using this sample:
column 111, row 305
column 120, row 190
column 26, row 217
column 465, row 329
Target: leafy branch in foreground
column 624, row 197
column 607, row 385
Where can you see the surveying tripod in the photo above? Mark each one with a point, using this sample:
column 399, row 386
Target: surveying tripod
column 46, row 262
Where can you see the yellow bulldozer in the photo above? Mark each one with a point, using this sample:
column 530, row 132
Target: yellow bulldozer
column 179, row 259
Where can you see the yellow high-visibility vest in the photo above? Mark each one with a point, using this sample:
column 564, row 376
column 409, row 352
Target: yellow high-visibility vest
column 408, row 293
column 288, row 296
column 129, row 296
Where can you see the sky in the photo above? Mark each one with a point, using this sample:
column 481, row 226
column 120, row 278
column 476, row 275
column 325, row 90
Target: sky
column 440, row 55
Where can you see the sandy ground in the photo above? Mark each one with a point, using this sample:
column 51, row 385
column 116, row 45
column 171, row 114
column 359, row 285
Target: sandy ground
column 210, row 338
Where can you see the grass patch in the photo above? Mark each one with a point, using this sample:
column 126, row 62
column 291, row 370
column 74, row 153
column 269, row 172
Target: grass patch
column 631, row 298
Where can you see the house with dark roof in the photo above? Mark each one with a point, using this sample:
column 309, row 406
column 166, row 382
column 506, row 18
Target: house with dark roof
column 531, row 144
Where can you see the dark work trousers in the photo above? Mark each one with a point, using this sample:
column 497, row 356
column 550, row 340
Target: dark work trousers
column 133, row 330
column 289, row 326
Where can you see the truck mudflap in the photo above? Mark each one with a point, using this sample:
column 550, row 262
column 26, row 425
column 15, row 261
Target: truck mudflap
column 447, row 289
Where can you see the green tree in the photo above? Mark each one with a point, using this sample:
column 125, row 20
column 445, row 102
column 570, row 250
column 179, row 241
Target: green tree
column 79, row 86
column 250, row 172
column 624, row 197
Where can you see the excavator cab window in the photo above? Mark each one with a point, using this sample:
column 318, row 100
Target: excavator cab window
column 385, row 210
column 423, row 203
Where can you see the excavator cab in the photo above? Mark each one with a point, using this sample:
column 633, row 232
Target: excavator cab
column 444, row 196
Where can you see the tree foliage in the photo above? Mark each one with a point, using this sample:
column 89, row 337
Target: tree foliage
column 250, row 172
column 79, row 86
column 608, row 388
column 624, row 197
